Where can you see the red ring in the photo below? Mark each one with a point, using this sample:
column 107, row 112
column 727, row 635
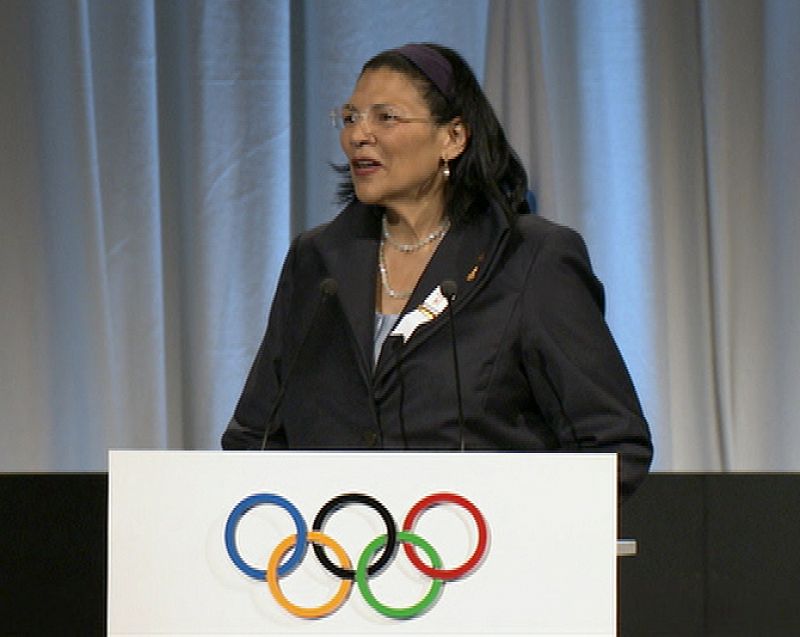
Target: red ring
column 483, row 535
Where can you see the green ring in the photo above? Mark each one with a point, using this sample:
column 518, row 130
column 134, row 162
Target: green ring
column 363, row 585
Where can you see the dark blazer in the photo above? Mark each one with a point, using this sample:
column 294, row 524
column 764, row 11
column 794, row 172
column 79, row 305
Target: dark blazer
column 539, row 368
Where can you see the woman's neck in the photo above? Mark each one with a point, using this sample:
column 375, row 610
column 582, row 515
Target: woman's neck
column 411, row 223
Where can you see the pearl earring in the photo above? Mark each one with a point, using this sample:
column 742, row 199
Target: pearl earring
column 446, row 169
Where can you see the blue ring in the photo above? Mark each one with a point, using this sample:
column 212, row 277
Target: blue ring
column 238, row 512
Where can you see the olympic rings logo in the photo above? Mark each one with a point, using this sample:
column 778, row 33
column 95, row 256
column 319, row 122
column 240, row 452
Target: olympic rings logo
column 386, row 544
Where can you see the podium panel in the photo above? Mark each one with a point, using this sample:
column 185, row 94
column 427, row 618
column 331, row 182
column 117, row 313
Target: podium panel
column 357, row 543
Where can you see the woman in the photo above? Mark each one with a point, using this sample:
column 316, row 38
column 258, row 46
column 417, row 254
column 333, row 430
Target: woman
column 436, row 210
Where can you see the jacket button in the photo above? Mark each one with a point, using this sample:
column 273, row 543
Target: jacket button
column 370, row 438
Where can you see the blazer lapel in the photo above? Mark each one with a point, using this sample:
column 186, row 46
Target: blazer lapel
column 349, row 248
column 466, row 256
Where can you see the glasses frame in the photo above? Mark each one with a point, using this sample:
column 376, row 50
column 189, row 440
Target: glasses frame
column 362, row 117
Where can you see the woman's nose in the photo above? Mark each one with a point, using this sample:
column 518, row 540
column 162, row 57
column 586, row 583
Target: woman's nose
column 361, row 134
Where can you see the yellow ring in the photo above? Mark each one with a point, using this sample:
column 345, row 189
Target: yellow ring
column 301, row 611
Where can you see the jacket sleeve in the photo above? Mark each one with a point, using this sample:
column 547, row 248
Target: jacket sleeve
column 574, row 366
column 246, row 428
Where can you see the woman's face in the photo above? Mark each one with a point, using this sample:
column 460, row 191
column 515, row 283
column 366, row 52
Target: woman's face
column 397, row 164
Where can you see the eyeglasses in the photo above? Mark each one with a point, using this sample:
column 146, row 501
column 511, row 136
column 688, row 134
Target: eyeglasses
column 382, row 116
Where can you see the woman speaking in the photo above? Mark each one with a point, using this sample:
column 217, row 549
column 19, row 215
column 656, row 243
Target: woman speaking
column 434, row 312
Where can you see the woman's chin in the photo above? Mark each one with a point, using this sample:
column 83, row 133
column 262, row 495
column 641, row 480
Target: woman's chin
column 368, row 196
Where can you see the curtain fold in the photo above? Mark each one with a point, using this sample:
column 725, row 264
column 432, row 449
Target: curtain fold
column 751, row 52
column 667, row 134
column 157, row 157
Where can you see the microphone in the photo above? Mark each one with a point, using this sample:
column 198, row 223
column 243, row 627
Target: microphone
column 327, row 288
column 449, row 289
column 398, row 359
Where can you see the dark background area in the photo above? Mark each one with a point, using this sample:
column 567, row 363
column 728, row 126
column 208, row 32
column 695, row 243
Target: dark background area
column 719, row 555
column 53, row 554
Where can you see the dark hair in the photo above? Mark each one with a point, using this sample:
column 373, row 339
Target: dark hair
column 488, row 172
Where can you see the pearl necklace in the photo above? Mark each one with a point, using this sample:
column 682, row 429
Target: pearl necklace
column 413, row 247
column 382, row 258
column 385, row 276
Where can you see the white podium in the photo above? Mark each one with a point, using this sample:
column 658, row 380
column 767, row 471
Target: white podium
column 304, row 543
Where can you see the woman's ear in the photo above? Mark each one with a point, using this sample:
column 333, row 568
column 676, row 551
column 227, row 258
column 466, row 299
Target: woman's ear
column 457, row 138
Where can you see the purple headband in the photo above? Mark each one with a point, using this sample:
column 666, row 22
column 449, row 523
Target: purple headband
column 433, row 65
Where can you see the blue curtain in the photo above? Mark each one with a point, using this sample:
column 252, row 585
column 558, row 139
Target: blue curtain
column 157, row 157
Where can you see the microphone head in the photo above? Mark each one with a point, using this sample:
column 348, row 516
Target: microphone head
column 449, row 289
column 329, row 286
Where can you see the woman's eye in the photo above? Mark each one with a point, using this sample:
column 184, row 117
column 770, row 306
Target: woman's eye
column 348, row 118
column 387, row 117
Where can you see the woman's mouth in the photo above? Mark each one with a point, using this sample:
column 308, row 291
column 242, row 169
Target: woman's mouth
column 364, row 167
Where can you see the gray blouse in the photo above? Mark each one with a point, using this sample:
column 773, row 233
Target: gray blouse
column 383, row 325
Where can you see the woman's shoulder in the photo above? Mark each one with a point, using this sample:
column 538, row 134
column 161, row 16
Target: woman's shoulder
column 538, row 231
column 307, row 238
column 354, row 220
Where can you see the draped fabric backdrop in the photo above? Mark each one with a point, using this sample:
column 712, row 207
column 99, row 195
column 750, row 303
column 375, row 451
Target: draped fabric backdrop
column 669, row 134
column 156, row 158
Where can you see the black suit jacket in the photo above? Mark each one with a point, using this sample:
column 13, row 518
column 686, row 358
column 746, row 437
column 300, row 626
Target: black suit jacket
column 539, row 367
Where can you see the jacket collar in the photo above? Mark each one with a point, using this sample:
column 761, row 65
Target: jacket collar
column 466, row 256
column 349, row 248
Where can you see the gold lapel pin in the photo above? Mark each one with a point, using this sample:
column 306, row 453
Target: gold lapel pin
column 473, row 273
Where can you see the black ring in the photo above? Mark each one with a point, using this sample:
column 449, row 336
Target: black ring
column 355, row 498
